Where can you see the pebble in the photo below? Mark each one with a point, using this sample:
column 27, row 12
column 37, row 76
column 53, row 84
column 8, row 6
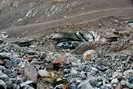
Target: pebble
column 130, row 86
column 3, row 35
column 130, row 24
column 30, row 72
column 128, row 73
column 2, row 84
column 85, row 71
column 24, row 43
column 117, row 74
column 43, row 73
column 73, row 71
column 2, row 75
column 114, row 81
column 26, row 83
column 101, row 67
column 87, row 56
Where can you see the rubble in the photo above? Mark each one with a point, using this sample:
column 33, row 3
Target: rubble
column 3, row 35
column 77, row 60
column 43, row 73
column 88, row 36
column 2, row 84
column 89, row 54
column 23, row 43
column 130, row 23
column 71, row 40
column 67, row 44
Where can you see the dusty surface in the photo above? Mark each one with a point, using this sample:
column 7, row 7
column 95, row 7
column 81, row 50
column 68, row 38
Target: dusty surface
column 44, row 28
column 49, row 13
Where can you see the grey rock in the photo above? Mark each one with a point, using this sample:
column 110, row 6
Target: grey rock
column 4, row 55
column 2, row 85
column 28, row 87
column 130, row 85
column 30, row 72
column 43, row 73
column 130, row 80
column 85, row 85
column 101, row 67
column 67, row 44
column 130, row 23
column 2, row 75
column 26, row 83
column 24, row 43
column 1, row 41
column 64, row 36
column 88, row 36
column 128, row 73
column 3, row 35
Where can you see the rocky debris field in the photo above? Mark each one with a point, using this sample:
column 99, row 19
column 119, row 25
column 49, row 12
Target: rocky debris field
column 60, row 44
column 87, row 58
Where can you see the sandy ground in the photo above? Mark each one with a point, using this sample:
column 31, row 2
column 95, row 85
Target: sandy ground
column 73, row 12
column 78, row 6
